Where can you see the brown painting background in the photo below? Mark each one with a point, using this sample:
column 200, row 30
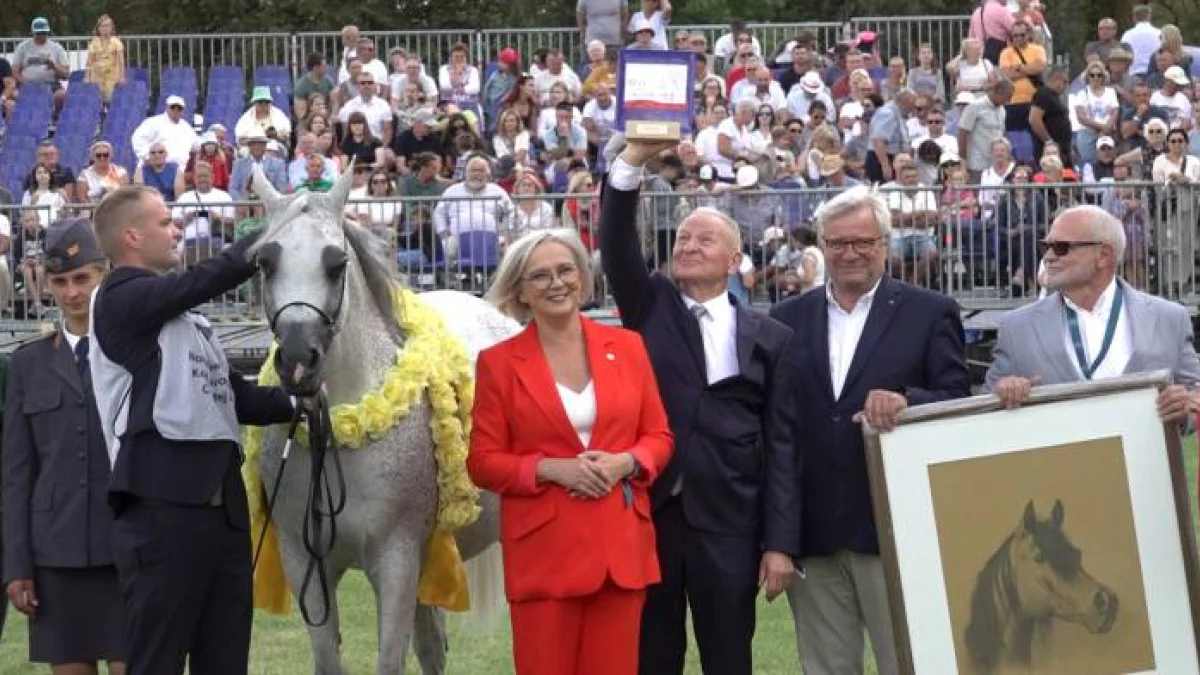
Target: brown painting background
column 979, row 502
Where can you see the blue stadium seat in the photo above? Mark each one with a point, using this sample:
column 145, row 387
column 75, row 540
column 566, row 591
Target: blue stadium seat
column 478, row 249
column 77, row 76
column 141, row 75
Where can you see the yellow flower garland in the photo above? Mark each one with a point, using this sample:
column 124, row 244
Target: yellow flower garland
column 434, row 363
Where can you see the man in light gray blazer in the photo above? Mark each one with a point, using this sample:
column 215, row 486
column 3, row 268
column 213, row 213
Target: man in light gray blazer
column 1092, row 325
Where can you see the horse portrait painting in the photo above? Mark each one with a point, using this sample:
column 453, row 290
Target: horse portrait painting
column 390, row 495
column 1034, row 580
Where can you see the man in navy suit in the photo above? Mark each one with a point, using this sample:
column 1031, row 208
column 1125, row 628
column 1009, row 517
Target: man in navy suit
column 867, row 346
column 726, row 509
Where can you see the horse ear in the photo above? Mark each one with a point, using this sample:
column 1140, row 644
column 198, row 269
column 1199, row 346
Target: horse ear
column 340, row 192
column 1030, row 517
column 266, row 192
column 1058, row 515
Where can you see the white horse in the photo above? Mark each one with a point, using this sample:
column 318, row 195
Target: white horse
column 328, row 294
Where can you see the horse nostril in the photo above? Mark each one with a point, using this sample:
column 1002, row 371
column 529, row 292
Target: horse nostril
column 313, row 357
column 1101, row 600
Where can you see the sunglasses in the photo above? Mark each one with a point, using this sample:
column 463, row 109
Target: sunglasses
column 1154, row 132
column 102, row 155
column 176, row 107
column 795, row 130
column 1095, row 76
column 1062, row 248
column 1176, row 141
column 366, row 84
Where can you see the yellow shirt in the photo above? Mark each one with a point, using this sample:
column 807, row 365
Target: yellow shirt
column 1023, row 89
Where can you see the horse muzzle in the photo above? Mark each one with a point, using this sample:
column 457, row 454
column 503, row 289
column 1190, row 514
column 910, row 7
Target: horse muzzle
column 1104, row 612
column 300, row 358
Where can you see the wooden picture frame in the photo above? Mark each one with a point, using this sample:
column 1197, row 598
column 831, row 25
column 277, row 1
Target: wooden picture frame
column 972, row 454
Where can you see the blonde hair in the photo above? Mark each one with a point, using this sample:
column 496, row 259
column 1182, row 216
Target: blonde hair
column 505, row 291
column 1172, row 41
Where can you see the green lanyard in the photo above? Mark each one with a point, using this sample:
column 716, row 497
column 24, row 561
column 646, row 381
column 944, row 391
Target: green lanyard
column 1109, row 331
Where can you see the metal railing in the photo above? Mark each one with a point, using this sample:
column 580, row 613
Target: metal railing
column 986, row 257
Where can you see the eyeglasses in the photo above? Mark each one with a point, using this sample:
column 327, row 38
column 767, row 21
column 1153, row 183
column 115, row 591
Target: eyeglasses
column 1095, row 76
column 176, row 107
column 1062, row 248
column 158, row 152
column 102, row 155
column 860, row 246
column 544, row 279
column 765, row 113
column 1154, row 132
column 379, row 181
column 1176, row 141
column 795, row 130
column 366, row 84
column 933, row 121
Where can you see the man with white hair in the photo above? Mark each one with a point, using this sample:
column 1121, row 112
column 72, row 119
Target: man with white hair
column 760, row 88
column 171, row 129
column 725, row 510
column 474, row 204
column 735, row 140
column 1092, row 325
column 881, row 345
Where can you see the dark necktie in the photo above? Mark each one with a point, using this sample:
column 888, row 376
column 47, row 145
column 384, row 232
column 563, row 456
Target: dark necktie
column 81, row 357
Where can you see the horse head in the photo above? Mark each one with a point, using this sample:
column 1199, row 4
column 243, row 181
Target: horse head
column 1049, row 578
column 316, row 267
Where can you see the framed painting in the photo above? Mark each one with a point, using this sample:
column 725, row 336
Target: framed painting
column 1052, row 538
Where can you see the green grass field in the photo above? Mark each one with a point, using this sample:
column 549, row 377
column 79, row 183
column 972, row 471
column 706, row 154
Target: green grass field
column 280, row 645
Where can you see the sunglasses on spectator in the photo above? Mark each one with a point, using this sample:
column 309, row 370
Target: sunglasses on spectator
column 366, row 83
column 158, row 152
column 1062, row 248
column 933, row 121
column 1096, row 76
column 1176, row 141
column 796, row 130
column 176, row 107
column 102, row 155
column 1154, row 132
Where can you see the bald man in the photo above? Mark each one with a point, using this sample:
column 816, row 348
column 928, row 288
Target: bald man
column 1092, row 324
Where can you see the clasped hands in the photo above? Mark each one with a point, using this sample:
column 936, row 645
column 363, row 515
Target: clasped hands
column 591, row 475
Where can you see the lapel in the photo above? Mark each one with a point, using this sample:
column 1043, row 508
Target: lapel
column 1142, row 325
column 1051, row 331
column 604, row 362
column 887, row 300
column 692, row 337
column 745, row 335
column 62, row 362
column 818, row 318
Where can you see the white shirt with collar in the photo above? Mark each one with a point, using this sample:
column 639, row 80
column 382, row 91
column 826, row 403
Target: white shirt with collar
column 1092, row 326
column 72, row 339
column 845, row 330
column 1145, row 40
column 718, row 328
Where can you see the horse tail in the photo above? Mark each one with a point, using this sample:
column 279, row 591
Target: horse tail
column 485, row 578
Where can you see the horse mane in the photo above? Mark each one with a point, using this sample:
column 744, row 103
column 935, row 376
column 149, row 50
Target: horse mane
column 983, row 636
column 378, row 273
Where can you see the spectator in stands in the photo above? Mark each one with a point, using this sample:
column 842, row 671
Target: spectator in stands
column 61, row 176
column 306, row 145
column 926, row 77
column 315, row 80
column 8, row 90
column 935, row 125
column 365, row 53
column 43, row 196
column 997, row 174
column 657, row 15
column 1096, row 110
column 603, row 20
column 204, row 214
column 599, row 120
column 532, row 212
column 376, row 111
column 6, row 277
column 421, row 137
column 1153, row 143
column 761, row 89
column 596, row 53
column 712, row 94
column 475, row 204
column 728, row 44
column 1049, row 119
column 264, row 116
column 557, row 71
column 219, row 132
column 423, row 180
column 30, row 246
column 982, row 123
column 273, row 168
column 1106, row 32
column 159, row 173
column 810, row 89
column 736, row 139
column 1143, row 37
column 209, row 150
column 103, row 175
column 42, row 60
column 316, row 119
column 643, row 34
column 889, row 135
column 511, row 139
column 1172, row 99
column 523, row 100
column 314, row 174
column 896, row 79
column 800, row 63
column 168, row 127
column 1135, row 219
column 1023, row 63
column 346, row 90
column 105, row 57
column 459, row 81
column 1021, row 217
column 548, row 116
column 970, row 71
column 991, row 24
column 349, row 52
column 360, row 146
column 913, row 249
column 1119, row 78
column 567, row 137
column 1136, row 113
column 414, row 74
column 501, row 83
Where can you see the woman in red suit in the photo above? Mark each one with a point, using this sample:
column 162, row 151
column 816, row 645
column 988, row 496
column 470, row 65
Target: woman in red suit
column 569, row 430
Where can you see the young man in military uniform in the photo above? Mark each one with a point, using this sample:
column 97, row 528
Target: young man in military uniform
column 58, row 564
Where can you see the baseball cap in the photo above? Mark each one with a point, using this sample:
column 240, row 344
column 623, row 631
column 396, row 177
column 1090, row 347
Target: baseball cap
column 510, row 56
column 1105, row 142
column 641, row 23
column 176, row 100
column 40, row 25
column 1176, row 75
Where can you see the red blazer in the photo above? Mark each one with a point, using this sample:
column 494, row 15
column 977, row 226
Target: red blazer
column 556, row 546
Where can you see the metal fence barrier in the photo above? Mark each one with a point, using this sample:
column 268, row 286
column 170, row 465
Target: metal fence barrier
column 985, row 256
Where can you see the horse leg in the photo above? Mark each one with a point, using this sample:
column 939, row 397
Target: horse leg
column 325, row 639
column 394, row 572
column 429, row 639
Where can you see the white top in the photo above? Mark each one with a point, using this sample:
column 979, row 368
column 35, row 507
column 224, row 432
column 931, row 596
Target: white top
column 725, row 46
column 1092, row 326
column 798, row 102
column 377, row 111
column 398, row 82
column 845, row 330
column 920, row 201
column 975, row 76
column 992, row 179
column 581, row 410
column 946, row 142
column 217, row 202
column 718, row 328
column 1145, row 40
column 546, row 79
column 53, row 200
column 657, row 22
column 747, row 90
column 249, row 122
column 461, row 211
column 739, row 140
column 178, row 137
column 446, row 80
column 504, row 149
column 814, row 253
column 1100, row 106
column 374, row 68
column 1178, row 106
column 706, row 145
column 548, row 119
column 1164, row 166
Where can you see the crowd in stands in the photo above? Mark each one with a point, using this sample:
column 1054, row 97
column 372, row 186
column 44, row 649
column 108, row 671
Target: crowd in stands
column 518, row 143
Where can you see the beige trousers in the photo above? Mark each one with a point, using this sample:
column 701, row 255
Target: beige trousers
column 831, row 603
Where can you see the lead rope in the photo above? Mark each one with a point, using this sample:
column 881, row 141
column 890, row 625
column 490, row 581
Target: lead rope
column 321, row 441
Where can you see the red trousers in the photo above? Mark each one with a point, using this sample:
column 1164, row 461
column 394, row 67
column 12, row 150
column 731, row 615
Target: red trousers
column 591, row 635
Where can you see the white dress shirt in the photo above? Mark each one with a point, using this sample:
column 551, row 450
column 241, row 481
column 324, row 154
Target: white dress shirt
column 718, row 329
column 1145, row 40
column 178, row 137
column 1092, row 326
column 845, row 330
column 377, row 111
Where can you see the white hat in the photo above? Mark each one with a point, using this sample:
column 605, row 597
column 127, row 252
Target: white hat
column 811, row 82
column 772, row 233
column 256, row 135
column 706, row 172
column 964, row 98
column 1176, row 75
column 747, row 177
column 176, row 100
column 949, row 158
column 1105, row 142
column 852, row 109
column 641, row 23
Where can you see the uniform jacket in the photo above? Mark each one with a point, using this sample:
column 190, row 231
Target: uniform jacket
column 557, row 546
column 56, row 468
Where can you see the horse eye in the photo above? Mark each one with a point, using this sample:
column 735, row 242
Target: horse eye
column 1039, row 558
column 334, row 260
column 268, row 255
